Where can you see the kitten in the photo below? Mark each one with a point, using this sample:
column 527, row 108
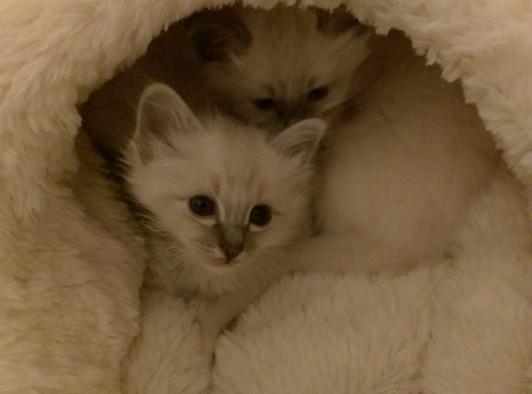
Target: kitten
column 399, row 177
column 266, row 68
column 271, row 68
column 221, row 200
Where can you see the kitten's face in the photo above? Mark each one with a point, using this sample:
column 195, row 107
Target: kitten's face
column 273, row 68
column 225, row 194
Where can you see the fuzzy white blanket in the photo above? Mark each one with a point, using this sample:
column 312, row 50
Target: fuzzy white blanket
column 70, row 267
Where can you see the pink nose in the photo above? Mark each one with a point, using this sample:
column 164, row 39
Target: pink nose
column 231, row 241
column 231, row 252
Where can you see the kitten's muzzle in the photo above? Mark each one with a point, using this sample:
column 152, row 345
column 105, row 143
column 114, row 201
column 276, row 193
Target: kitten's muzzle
column 291, row 113
column 231, row 241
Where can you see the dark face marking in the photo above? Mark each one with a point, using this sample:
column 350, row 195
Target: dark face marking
column 217, row 34
column 289, row 111
column 338, row 21
column 231, row 240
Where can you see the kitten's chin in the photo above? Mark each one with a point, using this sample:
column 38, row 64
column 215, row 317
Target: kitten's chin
column 219, row 265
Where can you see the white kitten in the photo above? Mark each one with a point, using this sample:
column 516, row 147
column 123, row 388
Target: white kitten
column 398, row 179
column 273, row 67
column 220, row 200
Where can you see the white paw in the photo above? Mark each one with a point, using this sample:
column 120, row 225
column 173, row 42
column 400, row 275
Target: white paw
column 208, row 322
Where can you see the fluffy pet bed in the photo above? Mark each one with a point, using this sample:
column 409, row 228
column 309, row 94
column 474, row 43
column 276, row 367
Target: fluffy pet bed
column 70, row 267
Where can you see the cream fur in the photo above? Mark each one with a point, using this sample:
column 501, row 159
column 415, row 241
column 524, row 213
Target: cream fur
column 69, row 272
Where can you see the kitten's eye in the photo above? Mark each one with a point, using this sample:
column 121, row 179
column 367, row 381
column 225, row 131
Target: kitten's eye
column 318, row 93
column 260, row 215
column 202, row 206
column 265, row 104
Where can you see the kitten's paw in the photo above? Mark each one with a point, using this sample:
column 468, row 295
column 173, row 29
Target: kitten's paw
column 208, row 323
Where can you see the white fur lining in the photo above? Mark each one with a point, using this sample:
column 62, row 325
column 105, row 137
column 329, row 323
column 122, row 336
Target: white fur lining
column 69, row 277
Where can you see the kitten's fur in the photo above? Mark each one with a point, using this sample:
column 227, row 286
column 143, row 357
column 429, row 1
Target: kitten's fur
column 231, row 57
column 280, row 55
column 173, row 157
column 398, row 179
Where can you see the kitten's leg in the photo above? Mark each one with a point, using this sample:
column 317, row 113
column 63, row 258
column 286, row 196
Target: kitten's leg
column 214, row 316
column 166, row 355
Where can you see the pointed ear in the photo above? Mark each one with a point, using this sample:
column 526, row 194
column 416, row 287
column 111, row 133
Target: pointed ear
column 301, row 140
column 216, row 35
column 160, row 113
column 338, row 21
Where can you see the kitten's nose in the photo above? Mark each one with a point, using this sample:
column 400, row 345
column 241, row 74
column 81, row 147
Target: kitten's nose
column 290, row 114
column 231, row 252
column 231, row 241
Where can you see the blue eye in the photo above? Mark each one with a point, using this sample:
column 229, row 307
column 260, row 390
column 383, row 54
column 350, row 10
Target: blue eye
column 260, row 215
column 265, row 104
column 202, row 206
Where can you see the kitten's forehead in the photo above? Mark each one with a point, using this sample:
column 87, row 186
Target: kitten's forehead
column 235, row 165
column 289, row 51
column 235, row 198
column 240, row 168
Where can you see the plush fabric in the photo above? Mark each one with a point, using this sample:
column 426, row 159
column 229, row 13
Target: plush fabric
column 71, row 262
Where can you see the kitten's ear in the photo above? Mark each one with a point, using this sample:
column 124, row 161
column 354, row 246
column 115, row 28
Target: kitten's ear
column 338, row 21
column 161, row 113
column 301, row 140
column 217, row 35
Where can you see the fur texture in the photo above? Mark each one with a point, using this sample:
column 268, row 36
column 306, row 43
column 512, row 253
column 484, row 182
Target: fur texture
column 272, row 68
column 399, row 177
column 68, row 316
column 220, row 202
column 174, row 157
column 235, row 60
